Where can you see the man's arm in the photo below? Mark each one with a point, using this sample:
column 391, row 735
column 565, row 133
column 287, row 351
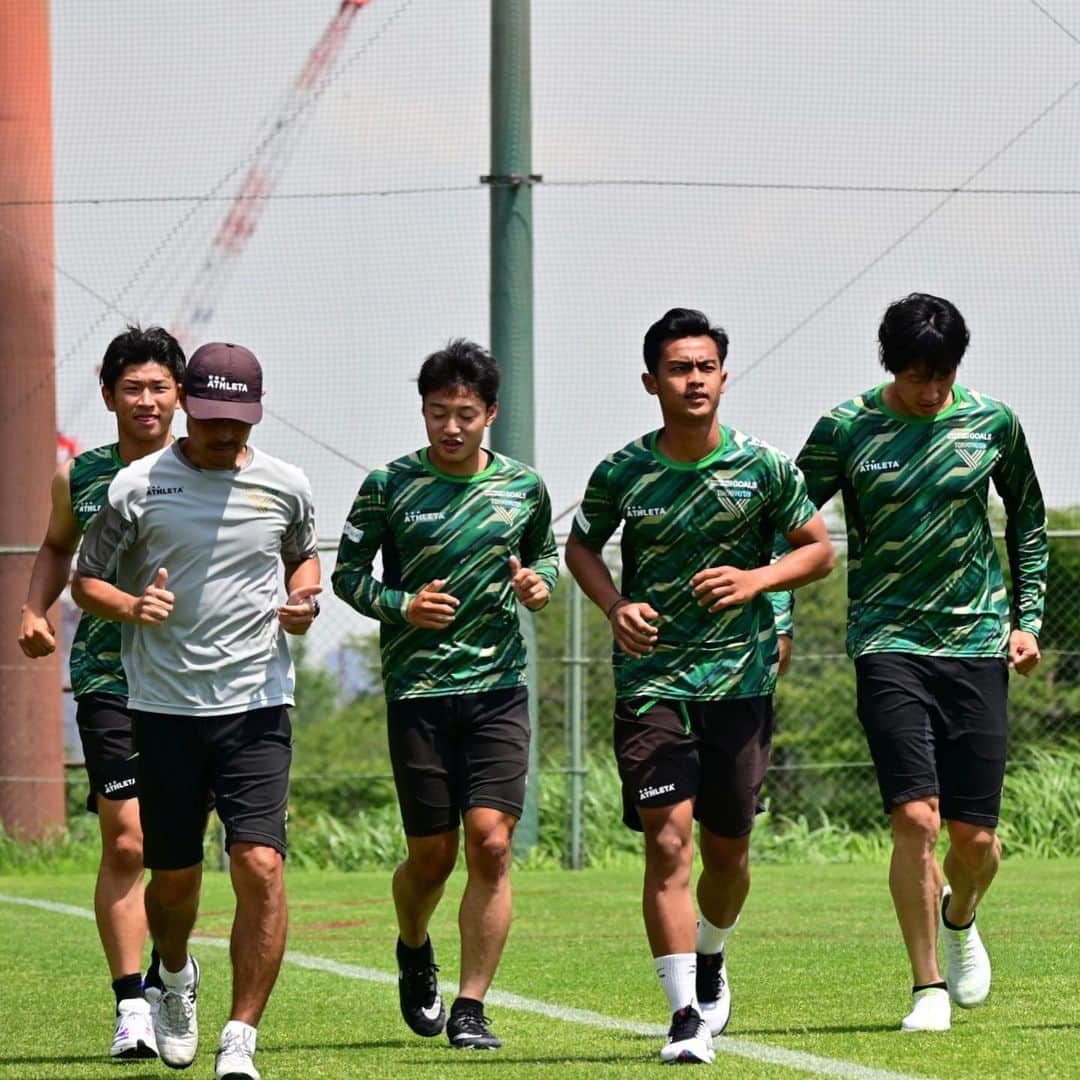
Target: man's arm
column 302, row 584
column 1027, row 546
column 37, row 636
column 533, row 576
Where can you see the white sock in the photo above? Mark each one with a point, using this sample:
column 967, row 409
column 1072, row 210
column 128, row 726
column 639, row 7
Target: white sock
column 678, row 977
column 176, row 980
column 710, row 939
column 246, row 1032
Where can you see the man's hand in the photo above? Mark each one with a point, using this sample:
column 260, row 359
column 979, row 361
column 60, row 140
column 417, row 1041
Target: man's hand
column 156, row 603
column 431, row 609
column 298, row 612
column 719, row 587
column 37, row 636
column 783, row 642
column 634, row 634
column 1023, row 652
column 528, row 585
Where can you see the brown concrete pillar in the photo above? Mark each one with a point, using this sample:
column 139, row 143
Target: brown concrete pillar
column 31, row 736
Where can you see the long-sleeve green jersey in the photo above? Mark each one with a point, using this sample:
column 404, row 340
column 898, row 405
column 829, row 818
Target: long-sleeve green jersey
column 459, row 529
column 923, row 573
column 95, row 663
column 682, row 517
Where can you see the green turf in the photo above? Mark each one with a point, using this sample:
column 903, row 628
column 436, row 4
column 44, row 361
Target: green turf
column 816, row 966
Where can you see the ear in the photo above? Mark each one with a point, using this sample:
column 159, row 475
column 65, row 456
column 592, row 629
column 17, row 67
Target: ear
column 107, row 397
column 493, row 411
column 648, row 380
column 723, row 380
column 181, row 398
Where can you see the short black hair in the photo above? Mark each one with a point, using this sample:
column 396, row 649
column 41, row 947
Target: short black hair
column 922, row 329
column 680, row 323
column 137, row 346
column 463, row 364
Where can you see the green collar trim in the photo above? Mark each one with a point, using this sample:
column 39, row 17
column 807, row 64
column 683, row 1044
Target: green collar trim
column 483, row 474
column 686, row 466
column 877, row 397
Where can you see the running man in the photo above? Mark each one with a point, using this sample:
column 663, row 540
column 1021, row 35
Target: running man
column 465, row 534
column 696, row 654
column 930, row 627
column 196, row 535
column 140, row 376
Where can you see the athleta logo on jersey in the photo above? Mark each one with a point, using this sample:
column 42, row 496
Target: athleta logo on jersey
column 413, row 516
column 971, row 445
column 154, row 489
column 88, row 508
column 645, row 512
column 878, row 466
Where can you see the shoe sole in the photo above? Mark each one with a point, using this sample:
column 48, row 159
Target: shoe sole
column 141, row 1052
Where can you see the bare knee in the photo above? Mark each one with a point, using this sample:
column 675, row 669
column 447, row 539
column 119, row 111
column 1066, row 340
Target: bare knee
column 431, row 859
column 728, row 856
column 256, row 868
column 669, row 850
column 489, row 853
column 973, row 845
column 917, row 824
column 174, row 888
column 122, row 855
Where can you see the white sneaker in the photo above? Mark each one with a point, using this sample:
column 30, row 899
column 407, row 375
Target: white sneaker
column 176, row 1025
column 689, row 1042
column 235, row 1058
column 134, row 1036
column 967, row 965
column 930, row 1011
column 713, row 991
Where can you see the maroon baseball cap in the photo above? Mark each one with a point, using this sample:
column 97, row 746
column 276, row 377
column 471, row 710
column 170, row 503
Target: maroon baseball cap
column 223, row 382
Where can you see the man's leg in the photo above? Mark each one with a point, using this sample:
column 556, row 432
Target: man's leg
column 666, row 903
column 172, row 902
column 971, row 864
column 258, row 934
column 419, row 881
column 915, row 883
column 725, row 877
column 484, row 916
column 118, row 895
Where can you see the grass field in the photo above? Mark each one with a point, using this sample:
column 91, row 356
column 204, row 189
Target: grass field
column 817, row 970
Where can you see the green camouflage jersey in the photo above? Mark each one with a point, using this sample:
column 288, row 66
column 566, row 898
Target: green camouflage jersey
column 95, row 652
column 923, row 573
column 463, row 529
column 679, row 518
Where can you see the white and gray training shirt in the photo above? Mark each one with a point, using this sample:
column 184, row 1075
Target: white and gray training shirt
column 222, row 536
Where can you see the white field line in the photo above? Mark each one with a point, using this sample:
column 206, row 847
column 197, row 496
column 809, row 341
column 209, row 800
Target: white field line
column 754, row 1051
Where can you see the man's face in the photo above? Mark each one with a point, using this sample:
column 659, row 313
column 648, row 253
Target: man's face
column 689, row 379
column 144, row 400
column 455, row 419
column 920, row 392
column 216, row 444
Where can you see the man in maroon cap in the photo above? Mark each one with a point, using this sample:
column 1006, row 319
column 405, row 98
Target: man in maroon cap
column 196, row 534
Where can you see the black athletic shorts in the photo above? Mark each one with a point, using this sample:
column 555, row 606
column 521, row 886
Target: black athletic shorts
column 937, row 725
column 108, row 748
column 714, row 752
column 457, row 751
column 239, row 762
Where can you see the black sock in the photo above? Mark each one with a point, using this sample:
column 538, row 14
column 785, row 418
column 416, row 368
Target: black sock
column 953, row 926
column 153, row 975
column 929, row 986
column 466, row 1005
column 127, row 986
column 410, row 958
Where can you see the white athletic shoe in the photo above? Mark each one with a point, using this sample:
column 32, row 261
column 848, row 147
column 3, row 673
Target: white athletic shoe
column 967, row 966
column 713, row 991
column 689, row 1042
column 930, row 1011
column 134, row 1036
column 235, row 1058
column 176, row 1024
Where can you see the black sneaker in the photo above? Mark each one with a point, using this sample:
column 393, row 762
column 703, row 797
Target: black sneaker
column 468, row 1029
column 418, row 989
column 688, row 1042
column 713, row 991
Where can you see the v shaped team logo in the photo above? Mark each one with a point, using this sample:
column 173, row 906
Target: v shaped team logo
column 970, row 455
column 505, row 514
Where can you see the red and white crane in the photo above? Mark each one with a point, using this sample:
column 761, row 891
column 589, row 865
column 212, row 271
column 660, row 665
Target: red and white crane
column 276, row 143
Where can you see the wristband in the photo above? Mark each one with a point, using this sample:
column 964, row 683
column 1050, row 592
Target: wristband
column 621, row 600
